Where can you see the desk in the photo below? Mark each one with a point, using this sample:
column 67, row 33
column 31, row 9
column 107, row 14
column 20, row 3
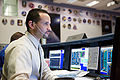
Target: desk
column 76, row 78
column 84, row 78
column 72, row 74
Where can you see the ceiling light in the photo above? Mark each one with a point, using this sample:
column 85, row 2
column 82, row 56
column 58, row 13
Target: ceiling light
column 110, row 3
column 92, row 3
column 71, row 1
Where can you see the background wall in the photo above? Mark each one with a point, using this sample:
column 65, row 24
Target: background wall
column 81, row 21
column 90, row 30
column 0, row 7
column 7, row 30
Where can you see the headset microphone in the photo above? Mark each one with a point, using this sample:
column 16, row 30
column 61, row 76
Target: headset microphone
column 40, row 30
column 44, row 36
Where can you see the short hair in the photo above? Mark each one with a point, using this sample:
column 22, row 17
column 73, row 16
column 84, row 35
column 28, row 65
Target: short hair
column 34, row 16
column 16, row 36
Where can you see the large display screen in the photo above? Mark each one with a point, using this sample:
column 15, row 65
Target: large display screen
column 79, row 59
column 106, row 60
column 56, row 59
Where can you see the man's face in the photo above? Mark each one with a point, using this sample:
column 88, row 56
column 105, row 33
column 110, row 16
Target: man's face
column 43, row 26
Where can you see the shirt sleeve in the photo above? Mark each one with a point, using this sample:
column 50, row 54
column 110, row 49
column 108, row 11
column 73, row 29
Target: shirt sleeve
column 47, row 73
column 19, row 64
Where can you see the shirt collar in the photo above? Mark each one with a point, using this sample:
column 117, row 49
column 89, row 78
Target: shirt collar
column 35, row 42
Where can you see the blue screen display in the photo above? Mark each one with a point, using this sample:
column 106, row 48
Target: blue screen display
column 56, row 59
column 79, row 59
column 106, row 60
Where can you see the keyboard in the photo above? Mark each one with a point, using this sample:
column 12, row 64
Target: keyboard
column 65, row 73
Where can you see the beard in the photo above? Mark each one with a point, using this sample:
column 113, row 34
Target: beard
column 47, row 34
column 52, row 37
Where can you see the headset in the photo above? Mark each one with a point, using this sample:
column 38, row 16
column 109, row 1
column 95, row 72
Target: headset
column 44, row 33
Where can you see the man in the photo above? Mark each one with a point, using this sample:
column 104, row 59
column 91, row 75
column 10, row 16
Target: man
column 24, row 59
column 52, row 38
column 15, row 36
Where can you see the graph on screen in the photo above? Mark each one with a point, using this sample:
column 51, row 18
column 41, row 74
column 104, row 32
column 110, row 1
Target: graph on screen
column 79, row 59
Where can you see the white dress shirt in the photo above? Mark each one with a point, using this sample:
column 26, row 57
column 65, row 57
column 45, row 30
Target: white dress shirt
column 22, row 60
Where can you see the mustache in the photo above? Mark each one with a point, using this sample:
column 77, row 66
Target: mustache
column 48, row 31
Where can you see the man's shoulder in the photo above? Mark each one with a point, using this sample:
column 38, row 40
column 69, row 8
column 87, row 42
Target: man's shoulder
column 22, row 43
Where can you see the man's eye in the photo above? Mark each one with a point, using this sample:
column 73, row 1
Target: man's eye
column 46, row 23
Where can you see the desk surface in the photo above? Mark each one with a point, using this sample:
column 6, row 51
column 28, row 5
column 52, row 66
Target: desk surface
column 84, row 78
column 77, row 75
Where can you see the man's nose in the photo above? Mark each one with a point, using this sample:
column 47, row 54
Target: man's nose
column 49, row 28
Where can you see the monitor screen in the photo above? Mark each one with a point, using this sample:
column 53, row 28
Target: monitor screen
column 106, row 60
column 93, row 58
column 79, row 59
column 56, row 59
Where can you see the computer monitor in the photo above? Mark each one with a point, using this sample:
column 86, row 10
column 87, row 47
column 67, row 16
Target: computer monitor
column 106, row 60
column 56, row 59
column 76, row 37
column 79, row 59
column 93, row 59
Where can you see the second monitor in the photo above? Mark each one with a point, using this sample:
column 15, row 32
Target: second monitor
column 79, row 59
column 84, row 58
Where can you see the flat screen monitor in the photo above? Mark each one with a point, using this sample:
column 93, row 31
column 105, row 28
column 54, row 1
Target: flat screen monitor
column 106, row 60
column 56, row 59
column 93, row 58
column 79, row 59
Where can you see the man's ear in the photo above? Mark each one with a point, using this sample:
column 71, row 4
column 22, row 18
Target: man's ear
column 30, row 23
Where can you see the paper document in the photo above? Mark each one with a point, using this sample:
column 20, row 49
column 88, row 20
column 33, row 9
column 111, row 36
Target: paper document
column 65, row 73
